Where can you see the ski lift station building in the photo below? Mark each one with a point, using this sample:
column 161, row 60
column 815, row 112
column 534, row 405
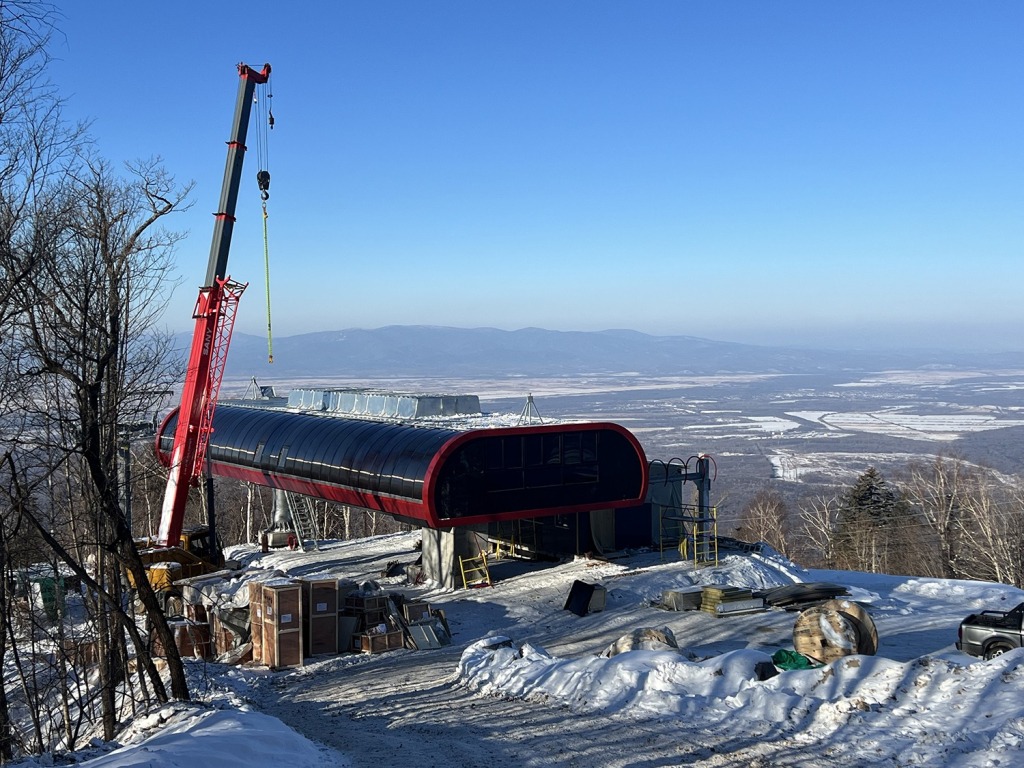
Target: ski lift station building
column 382, row 451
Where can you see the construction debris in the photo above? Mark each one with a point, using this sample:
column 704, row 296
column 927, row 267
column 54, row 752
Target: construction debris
column 681, row 600
column 644, row 639
column 833, row 630
column 264, row 617
column 376, row 628
column 723, row 600
column 794, row 597
column 585, row 598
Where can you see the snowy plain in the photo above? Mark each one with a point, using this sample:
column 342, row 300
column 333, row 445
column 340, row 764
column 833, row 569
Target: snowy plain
column 523, row 682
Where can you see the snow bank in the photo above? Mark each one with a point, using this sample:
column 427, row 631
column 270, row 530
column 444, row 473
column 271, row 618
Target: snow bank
column 925, row 712
column 230, row 738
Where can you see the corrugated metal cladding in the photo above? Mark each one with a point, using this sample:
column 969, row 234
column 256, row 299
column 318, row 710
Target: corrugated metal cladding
column 427, row 475
column 377, row 403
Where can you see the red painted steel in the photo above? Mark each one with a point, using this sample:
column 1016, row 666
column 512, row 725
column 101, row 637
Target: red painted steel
column 214, row 315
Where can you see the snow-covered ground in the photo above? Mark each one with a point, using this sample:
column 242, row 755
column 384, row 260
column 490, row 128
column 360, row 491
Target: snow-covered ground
column 524, row 684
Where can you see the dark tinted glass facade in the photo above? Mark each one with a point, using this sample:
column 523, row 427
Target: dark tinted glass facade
column 538, row 469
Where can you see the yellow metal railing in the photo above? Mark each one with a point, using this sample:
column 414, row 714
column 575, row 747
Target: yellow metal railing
column 692, row 530
column 474, row 571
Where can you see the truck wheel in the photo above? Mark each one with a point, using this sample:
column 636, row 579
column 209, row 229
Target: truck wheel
column 996, row 649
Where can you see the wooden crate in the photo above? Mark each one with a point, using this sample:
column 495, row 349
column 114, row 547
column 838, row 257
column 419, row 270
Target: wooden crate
column 320, row 597
column 225, row 637
column 191, row 638
column 81, row 653
column 367, row 602
column 321, row 635
column 320, row 616
column 379, row 643
column 366, row 619
column 282, row 624
column 256, row 620
column 683, row 599
column 416, row 611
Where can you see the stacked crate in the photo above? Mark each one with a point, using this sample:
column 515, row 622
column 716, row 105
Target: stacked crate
column 228, row 631
column 256, row 620
column 282, row 624
column 320, row 616
column 682, row 600
column 375, row 631
column 191, row 638
column 724, row 600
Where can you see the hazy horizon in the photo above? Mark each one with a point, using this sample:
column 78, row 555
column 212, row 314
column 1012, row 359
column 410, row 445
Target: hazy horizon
column 803, row 173
column 953, row 339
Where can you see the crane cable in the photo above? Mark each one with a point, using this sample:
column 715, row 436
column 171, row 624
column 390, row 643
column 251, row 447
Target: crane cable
column 263, row 182
column 266, row 267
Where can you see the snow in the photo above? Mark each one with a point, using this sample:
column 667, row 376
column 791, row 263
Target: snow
column 230, row 737
column 528, row 683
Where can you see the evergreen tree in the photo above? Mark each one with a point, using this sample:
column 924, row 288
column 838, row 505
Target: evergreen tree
column 869, row 516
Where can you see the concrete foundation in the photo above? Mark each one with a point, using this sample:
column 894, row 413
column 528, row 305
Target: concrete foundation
column 442, row 548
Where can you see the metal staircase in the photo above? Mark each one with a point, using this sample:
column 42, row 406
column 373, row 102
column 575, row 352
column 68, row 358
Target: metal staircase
column 304, row 520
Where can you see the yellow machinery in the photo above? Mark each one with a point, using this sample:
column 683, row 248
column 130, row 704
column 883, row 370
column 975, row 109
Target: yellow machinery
column 194, row 556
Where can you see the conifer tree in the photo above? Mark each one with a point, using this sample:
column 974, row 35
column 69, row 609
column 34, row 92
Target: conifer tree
column 868, row 525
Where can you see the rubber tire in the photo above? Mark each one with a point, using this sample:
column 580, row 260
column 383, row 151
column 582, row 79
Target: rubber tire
column 996, row 649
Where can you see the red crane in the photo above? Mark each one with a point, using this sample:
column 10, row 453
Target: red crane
column 215, row 317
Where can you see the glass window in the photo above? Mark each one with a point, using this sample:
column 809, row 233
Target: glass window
column 571, row 448
column 578, row 474
column 513, row 447
column 493, row 456
column 505, row 480
column 543, row 476
column 552, row 449
column 534, row 446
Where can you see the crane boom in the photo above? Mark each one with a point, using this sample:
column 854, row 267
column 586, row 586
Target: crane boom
column 214, row 316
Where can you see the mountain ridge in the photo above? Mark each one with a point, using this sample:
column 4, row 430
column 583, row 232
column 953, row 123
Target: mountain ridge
column 429, row 350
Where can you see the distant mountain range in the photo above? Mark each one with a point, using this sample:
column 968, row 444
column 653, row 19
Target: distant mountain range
column 421, row 351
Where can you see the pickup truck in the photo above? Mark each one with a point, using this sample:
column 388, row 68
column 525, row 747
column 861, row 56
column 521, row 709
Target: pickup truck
column 991, row 633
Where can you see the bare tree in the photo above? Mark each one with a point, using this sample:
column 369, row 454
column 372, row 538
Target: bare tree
column 937, row 490
column 34, row 146
column 819, row 523
column 84, row 272
column 991, row 524
column 88, row 324
column 766, row 518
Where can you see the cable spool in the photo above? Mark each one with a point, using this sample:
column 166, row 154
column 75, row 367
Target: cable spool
column 833, row 630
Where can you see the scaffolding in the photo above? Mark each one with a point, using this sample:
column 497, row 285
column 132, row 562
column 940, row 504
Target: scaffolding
column 690, row 528
column 516, row 539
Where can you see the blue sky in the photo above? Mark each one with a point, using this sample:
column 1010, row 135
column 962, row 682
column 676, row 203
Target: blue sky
column 830, row 173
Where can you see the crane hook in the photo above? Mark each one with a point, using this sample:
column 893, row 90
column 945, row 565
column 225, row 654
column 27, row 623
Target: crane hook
column 263, row 181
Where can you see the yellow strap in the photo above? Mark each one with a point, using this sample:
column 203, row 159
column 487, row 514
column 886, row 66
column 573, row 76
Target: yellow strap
column 266, row 264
